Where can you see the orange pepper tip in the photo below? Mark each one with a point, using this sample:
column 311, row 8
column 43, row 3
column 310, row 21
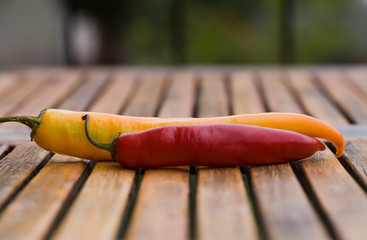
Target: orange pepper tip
column 340, row 149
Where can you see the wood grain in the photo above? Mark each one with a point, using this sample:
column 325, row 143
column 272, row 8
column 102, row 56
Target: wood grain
column 27, row 83
column 213, row 99
column 340, row 197
column 358, row 76
column 162, row 206
column 223, row 209
column 278, row 96
column 180, row 97
column 100, row 204
column 31, row 214
column 115, row 94
column 355, row 131
column 245, row 94
column 275, row 187
column 313, row 99
column 84, row 95
column 17, row 168
column 342, row 93
column 68, row 176
column 7, row 82
column 107, row 189
column 49, row 94
column 356, row 156
column 161, row 210
column 283, row 204
column 14, row 136
column 145, row 101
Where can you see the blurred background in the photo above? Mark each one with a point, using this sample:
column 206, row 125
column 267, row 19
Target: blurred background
column 85, row 32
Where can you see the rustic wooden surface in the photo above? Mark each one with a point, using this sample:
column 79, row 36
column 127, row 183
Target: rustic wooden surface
column 46, row 195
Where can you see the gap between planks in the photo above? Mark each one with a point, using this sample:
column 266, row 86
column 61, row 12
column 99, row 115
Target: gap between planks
column 120, row 182
column 221, row 196
column 88, row 90
column 161, row 210
column 273, row 222
column 330, row 217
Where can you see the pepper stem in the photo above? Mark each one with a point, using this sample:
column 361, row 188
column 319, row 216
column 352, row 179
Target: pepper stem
column 105, row 146
column 26, row 120
column 30, row 121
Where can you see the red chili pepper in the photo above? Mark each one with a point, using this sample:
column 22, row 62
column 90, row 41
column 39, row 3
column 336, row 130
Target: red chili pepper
column 208, row 145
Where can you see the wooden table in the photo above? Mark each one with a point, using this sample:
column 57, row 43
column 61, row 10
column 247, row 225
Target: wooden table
column 46, row 195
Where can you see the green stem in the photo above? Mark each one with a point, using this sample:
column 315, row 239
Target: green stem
column 26, row 120
column 30, row 121
column 105, row 146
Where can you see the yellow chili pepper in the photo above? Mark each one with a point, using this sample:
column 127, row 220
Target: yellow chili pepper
column 62, row 131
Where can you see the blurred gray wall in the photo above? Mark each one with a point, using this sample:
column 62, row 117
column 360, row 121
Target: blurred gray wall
column 30, row 33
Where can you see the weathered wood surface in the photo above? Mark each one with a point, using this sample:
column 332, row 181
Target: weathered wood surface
column 99, row 205
column 278, row 97
column 245, row 93
column 161, row 210
column 341, row 199
column 284, row 211
column 284, row 206
column 34, row 210
column 221, row 194
column 51, row 196
column 313, row 100
column 345, row 94
column 17, row 168
column 356, row 158
column 107, row 189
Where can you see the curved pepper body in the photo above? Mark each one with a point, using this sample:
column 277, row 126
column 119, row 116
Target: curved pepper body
column 62, row 131
column 212, row 145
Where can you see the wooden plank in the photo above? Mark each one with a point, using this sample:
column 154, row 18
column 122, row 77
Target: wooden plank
column 340, row 90
column 27, row 84
column 340, row 197
column 275, row 186
column 223, row 209
column 358, row 76
column 84, row 96
column 181, row 96
column 145, row 101
column 213, row 99
column 14, row 136
column 7, row 82
column 283, row 205
column 68, row 177
column 15, row 133
column 313, row 99
column 115, row 94
column 161, row 210
column 279, row 98
column 330, row 181
column 17, row 168
column 221, row 195
column 107, row 189
column 162, row 206
column 31, row 214
column 356, row 156
column 99, row 205
column 353, row 131
column 245, row 94
column 50, row 93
